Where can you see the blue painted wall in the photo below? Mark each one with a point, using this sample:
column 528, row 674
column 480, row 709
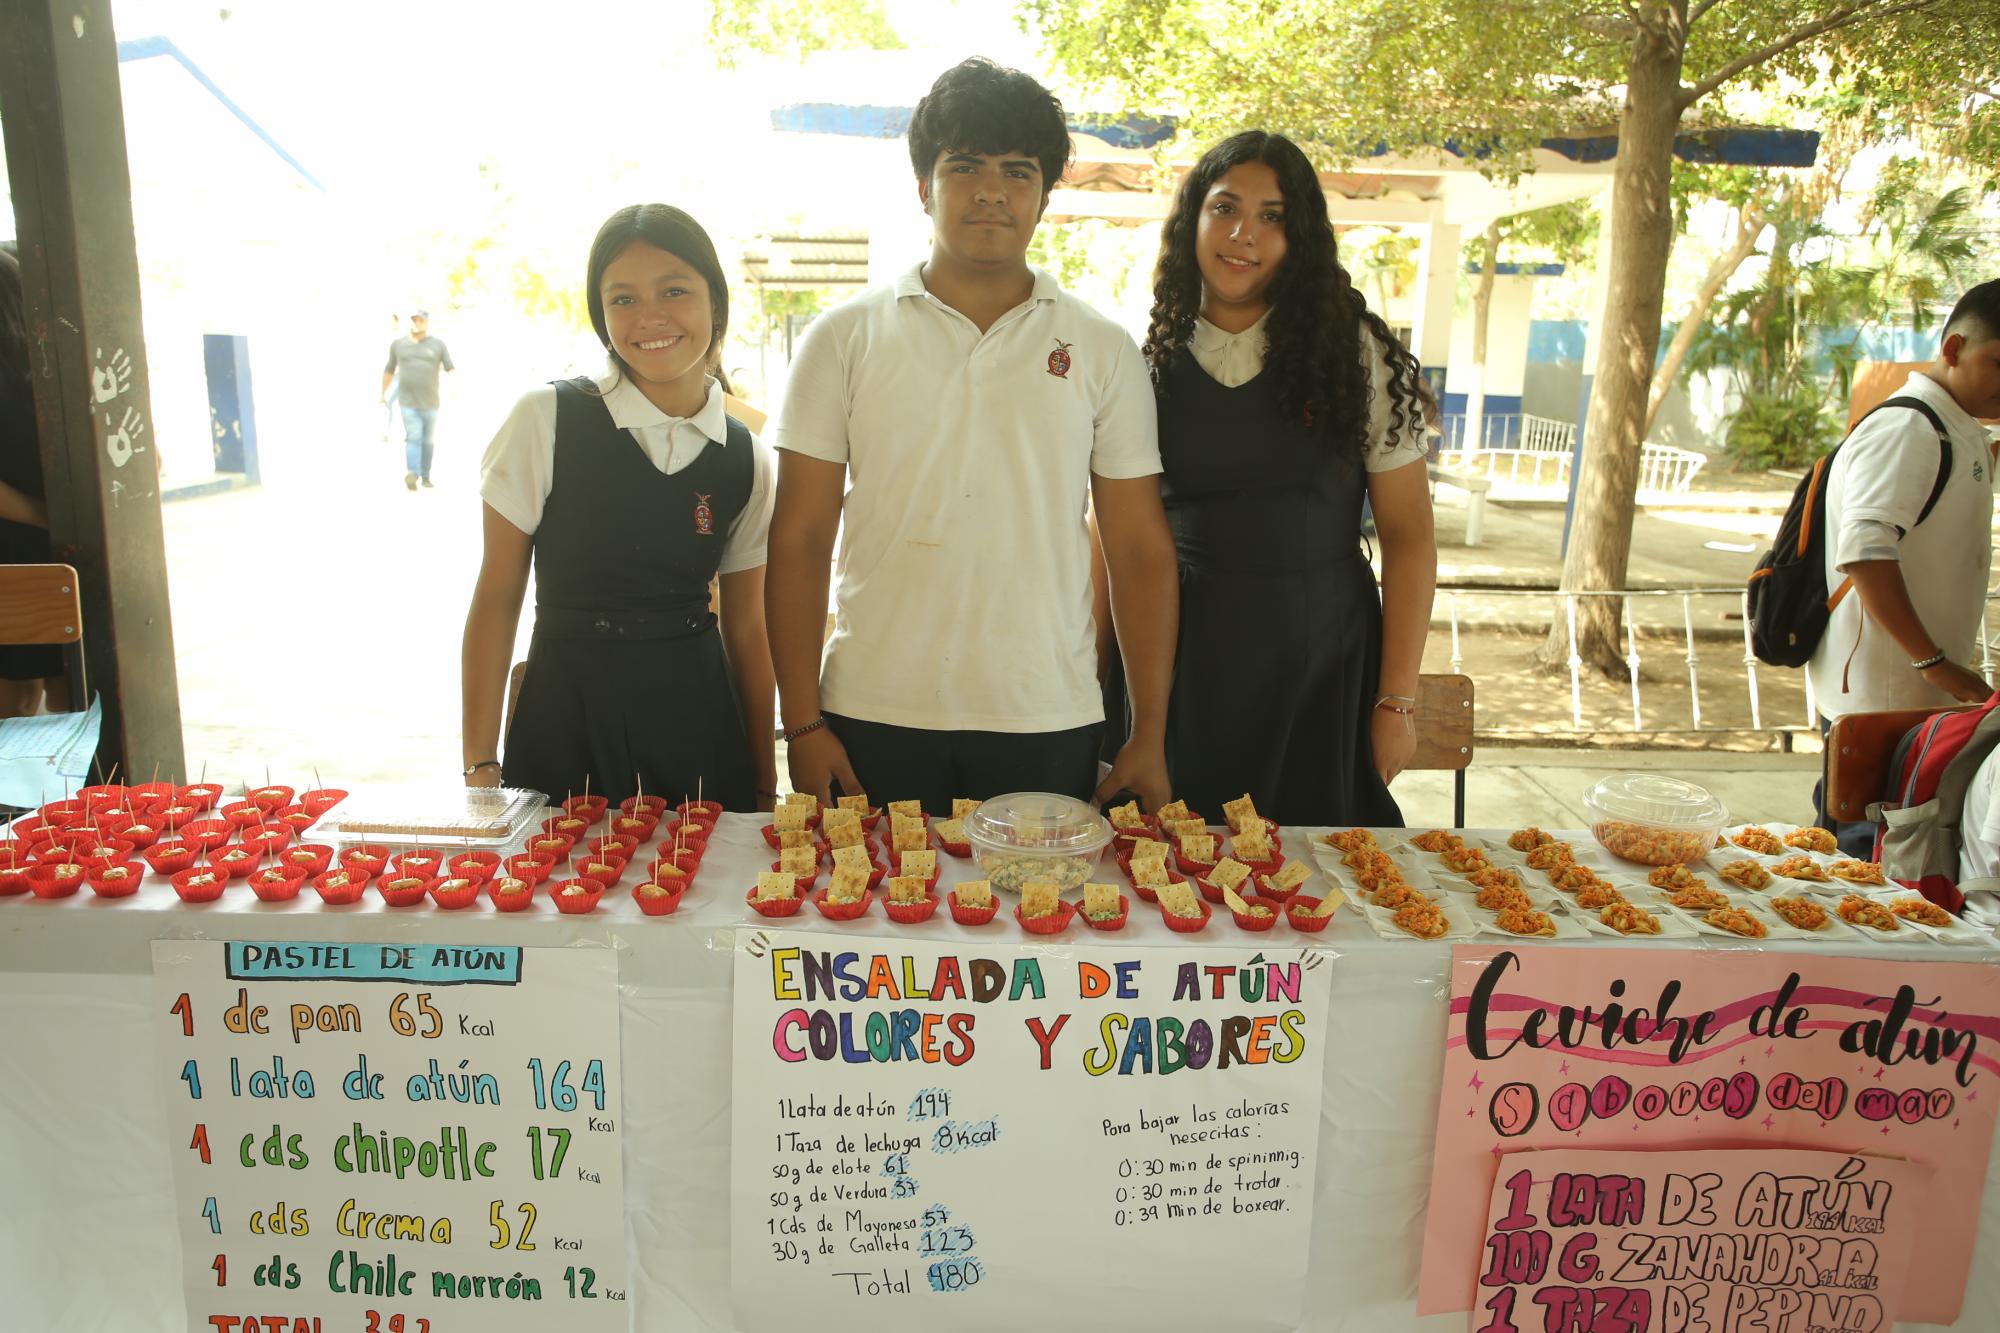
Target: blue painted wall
column 1553, row 340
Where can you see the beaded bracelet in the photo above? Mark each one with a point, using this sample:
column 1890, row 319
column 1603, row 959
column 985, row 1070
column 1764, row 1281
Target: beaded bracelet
column 1935, row 659
column 793, row 733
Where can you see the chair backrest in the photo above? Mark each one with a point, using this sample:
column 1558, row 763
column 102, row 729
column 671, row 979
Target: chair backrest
column 1858, row 750
column 39, row 604
column 1444, row 722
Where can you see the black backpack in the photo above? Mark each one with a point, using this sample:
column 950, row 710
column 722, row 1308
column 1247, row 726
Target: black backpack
column 1787, row 596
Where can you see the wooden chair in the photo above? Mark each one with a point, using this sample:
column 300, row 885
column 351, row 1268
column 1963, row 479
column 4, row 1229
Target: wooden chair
column 1858, row 749
column 1444, row 733
column 39, row 605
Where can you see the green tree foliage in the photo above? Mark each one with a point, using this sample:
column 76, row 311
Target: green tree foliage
column 1497, row 76
column 798, row 28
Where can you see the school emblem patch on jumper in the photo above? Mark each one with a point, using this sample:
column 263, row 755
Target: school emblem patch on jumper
column 704, row 517
column 1059, row 360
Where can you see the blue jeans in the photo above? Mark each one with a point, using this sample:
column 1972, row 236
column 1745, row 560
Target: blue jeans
column 419, row 438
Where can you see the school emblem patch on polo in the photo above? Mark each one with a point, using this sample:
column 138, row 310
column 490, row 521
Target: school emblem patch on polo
column 1059, row 360
column 704, row 517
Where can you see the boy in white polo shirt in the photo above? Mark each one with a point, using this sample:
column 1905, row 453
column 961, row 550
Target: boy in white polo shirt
column 955, row 427
column 1902, row 635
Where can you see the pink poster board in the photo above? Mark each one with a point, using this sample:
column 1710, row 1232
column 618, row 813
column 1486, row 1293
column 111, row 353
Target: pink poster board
column 1638, row 1049
column 1629, row 1242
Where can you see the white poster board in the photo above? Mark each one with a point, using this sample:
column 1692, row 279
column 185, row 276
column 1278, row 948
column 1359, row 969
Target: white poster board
column 397, row 1138
column 1022, row 1136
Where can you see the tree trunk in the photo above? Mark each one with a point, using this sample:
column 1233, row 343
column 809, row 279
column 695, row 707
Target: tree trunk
column 1750, row 225
column 1642, row 226
column 1482, row 308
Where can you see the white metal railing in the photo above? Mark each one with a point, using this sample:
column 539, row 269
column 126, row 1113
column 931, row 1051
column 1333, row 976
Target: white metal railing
column 1663, row 469
column 1564, row 605
column 1512, row 430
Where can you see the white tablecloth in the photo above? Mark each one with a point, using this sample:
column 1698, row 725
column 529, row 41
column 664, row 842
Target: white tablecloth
column 87, row 1232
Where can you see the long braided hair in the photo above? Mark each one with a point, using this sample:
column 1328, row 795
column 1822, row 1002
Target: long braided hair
column 1317, row 313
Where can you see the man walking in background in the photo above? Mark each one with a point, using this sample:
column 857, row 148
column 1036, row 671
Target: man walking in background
column 413, row 365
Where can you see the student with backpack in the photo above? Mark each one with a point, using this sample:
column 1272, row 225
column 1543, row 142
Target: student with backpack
column 1908, row 538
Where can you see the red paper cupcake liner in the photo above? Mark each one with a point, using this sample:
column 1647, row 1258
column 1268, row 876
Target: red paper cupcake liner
column 1270, row 867
column 368, row 856
column 1209, row 890
column 107, row 853
column 705, row 811
column 424, row 865
column 770, row 836
column 688, row 833
column 269, row 798
column 1193, row 869
column 198, row 893
column 909, row 914
column 616, row 843
column 635, row 827
column 1116, row 923
column 576, row 904
column 339, row 895
column 1188, row 925
column 591, row 808
column 1266, row 889
column 166, row 858
column 236, row 867
column 61, row 814
column 961, row 850
column 1124, row 838
column 104, row 796
column 178, row 815
column 1247, row 921
column 604, row 879
column 407, row 896
column 123, row 887
column 15, row 855
column 152, row 793
column 296, row 818
column 459, row 897
column 659, row 904
column 691, row 863
column 321, row 799
column 568, row 826
column 833, row 911
column 283, row 891
column 534, row 869
column 45, row 883
column 13, row 881
column 1308, row 923
column 1055, row 923
column 207, row 834
column 200, row 795
column 519, row 900
column 773, row 906
column 549, row 846
column 930, row 882
column 271, row 837
column 242, row 814
column 655, row 806
column 26, row 827
column 311, row 857
column 970, row 916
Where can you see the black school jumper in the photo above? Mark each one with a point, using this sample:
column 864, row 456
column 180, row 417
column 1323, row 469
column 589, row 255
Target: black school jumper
column 1281, row 625
column 627, row 682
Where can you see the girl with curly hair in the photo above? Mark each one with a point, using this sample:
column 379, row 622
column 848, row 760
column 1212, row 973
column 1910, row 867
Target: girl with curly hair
column 1283, row 402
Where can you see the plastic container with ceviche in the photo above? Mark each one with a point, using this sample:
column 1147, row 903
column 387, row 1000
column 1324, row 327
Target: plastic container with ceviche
column 1654, row 820
column 1036, row 835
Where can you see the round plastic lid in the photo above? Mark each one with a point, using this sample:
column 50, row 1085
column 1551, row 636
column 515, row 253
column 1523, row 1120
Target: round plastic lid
column 1038, row 821
column 1651, row 798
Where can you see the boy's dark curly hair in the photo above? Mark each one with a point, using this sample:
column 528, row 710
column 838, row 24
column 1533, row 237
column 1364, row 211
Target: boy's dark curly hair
column 977, row 106
column 1317, row 313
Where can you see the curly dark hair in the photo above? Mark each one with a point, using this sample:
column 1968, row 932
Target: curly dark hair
column 1317, row 313
column 13, row 318
column 977, row 106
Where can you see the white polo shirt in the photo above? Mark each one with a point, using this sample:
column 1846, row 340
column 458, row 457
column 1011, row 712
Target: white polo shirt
column 963, row 579
column 1877, row 485
column 519, row 468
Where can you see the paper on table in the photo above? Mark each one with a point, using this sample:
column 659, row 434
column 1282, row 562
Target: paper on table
column 46, row 757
